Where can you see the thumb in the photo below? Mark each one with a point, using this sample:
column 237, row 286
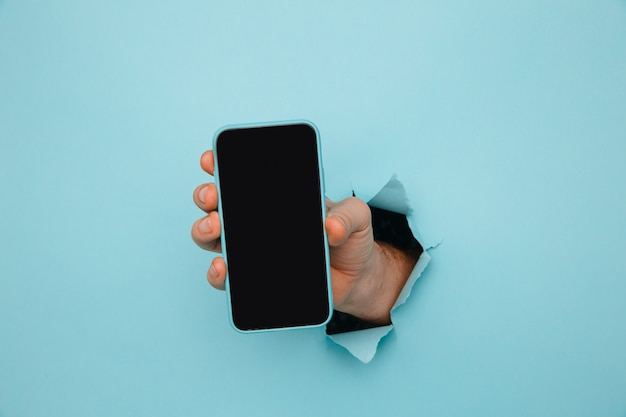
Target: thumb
column 345, row 218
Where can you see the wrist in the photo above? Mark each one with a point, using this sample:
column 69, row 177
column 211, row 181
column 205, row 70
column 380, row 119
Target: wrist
column 389, row 271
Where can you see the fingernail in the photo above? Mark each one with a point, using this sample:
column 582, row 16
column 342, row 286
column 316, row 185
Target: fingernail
column 202, row 195
column 212, row 271
column 205, row 225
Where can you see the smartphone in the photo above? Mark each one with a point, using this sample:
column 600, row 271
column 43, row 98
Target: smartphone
column 272, row 208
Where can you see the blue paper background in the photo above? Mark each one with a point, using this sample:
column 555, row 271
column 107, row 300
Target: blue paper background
column 504, row 120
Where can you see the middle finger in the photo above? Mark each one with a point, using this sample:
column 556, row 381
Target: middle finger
column 205, row 197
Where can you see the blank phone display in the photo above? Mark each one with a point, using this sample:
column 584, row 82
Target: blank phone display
column 273, row 231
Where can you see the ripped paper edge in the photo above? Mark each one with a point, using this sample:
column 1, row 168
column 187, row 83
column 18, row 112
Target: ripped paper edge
column 363, row 344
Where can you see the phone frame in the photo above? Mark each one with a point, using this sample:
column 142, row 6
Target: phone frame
column 322, row 196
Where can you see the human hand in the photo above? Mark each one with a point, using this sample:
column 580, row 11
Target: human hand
column 366, row 275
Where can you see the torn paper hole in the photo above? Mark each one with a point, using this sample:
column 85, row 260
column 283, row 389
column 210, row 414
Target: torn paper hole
column 358, row 337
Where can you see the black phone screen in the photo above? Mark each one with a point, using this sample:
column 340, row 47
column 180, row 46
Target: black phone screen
column 272, row 210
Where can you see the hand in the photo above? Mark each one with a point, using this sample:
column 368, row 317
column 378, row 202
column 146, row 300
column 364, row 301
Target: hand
column 367, row 276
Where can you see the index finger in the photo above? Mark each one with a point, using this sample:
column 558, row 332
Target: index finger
column 207, row 162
